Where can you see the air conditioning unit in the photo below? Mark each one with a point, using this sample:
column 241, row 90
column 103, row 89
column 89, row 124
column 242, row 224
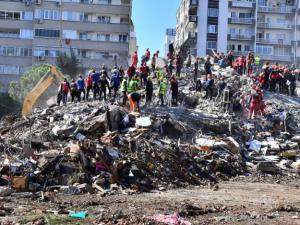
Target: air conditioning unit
column 38, row 2
column 41, row 58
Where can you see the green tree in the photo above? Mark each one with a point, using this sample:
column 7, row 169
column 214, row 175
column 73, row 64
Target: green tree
column 18, row 90
column 68, row 64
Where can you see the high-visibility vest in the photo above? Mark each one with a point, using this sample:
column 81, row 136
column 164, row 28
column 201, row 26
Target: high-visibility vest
column 163, row 88
column 124, row 86
column 226, row 96
column 132, row 86
column 257, row 61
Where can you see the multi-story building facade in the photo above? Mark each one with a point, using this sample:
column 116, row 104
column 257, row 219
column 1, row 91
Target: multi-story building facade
column 267, row 27
column 37, row 31
column 169, row 39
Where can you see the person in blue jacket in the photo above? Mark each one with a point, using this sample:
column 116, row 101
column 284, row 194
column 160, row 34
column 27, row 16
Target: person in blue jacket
column 81, row 87
column 115, row 80
column 96, row 79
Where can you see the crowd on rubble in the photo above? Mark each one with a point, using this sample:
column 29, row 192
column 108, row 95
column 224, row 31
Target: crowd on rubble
column 136, row 83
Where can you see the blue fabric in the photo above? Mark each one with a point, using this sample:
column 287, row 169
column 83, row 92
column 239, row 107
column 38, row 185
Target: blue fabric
column 80, row 84
column 96, row 77
column 115, row 80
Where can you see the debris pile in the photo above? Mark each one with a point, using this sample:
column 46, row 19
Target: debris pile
column 91, row 148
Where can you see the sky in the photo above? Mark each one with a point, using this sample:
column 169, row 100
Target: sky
column 151, row 19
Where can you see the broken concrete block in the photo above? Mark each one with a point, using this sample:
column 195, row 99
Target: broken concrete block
column 268, row 167
column 5, row 191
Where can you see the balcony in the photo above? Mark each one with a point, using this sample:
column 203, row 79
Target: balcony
column 239, row 53
column 282, row 58
column 244, row 37
column 265, row 25
column 241, row 4
column 237, row 20
column 273, row 41
column 274, row 9
column 193, row 7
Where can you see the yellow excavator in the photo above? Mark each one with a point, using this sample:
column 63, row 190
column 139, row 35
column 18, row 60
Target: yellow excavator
column 44, row 83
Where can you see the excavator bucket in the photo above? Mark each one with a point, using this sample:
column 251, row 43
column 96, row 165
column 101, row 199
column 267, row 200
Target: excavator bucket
column 44, row 83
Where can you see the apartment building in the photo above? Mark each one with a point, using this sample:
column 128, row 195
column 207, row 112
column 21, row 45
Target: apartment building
column 169, row 39
column 36, row 31
column 267, row 27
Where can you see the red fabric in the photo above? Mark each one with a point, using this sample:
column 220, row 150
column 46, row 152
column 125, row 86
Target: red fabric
column 65, row 87
column 89, row 81
column 135, row 59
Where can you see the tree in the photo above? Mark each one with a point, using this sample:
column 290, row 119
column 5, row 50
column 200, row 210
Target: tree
column 18, row 90
column 68, row 64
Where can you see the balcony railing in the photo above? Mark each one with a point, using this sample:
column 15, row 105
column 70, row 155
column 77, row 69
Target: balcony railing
column 274, row 9
column 242, row 4
column 239, row 53
column 241, row 36
column 273, row 41
column 242, row 20
column 274, row 25
column 284, row 58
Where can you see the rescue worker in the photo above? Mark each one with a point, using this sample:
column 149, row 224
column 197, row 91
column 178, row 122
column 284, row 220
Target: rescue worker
column 133, row 85
column 74, row 90
column 227, row 98
column 256, row 103
column 153, row 62
column 178, row 63
column 134, row 60
column 115, row 80
column 266, row 71
column 291, row 83
column 207, row 66
column 89, row 85
column 146, row 57
column 162, row 90
column 240, row 64
column 149, row 91
column 257, row 63
column 95, row 78
column 144, row 73
column 174, row 90
column 221, row 87
column 208, row 86
column 103, row 84
column 230, row 59
column 65, row 89
column 249, row 63
column 124, row 89
column 274, row 77
column 81, row 87
column 134, row 101
column 131, row 71
column 170, row 68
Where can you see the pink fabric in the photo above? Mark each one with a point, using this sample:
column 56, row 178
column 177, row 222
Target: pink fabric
column 173, row 219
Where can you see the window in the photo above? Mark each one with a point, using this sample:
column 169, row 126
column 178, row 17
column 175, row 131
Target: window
column 15, row 51
column 264, row 50
column 122, row 38
column 26, row 34
column 10, row 15
column 47, row 14
column 213, row 12
column 9, row 69
column 27, row 15
column 83, row 36
column 73, row 16
column 247, row 48
column 103, row 19
column 49, row 52
column 69, row 34
column 239, row 48
column 212, row 29
column 47, row 33
column 211, row 44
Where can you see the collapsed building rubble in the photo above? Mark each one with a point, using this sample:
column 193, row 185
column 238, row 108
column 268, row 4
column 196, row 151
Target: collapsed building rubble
column 93, row 147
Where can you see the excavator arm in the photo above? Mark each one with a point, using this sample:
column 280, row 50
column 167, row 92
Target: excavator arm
column 44, row 83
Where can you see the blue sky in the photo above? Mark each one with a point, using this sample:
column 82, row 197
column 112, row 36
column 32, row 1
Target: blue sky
column 151, row 19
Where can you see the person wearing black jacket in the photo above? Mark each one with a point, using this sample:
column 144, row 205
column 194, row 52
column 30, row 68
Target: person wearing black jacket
column 291, row 83
column 103, row 84
column 266, row 71
column 149, row 91
column 208, row 86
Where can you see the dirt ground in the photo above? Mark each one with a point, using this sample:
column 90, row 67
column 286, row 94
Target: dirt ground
column 229, row 203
